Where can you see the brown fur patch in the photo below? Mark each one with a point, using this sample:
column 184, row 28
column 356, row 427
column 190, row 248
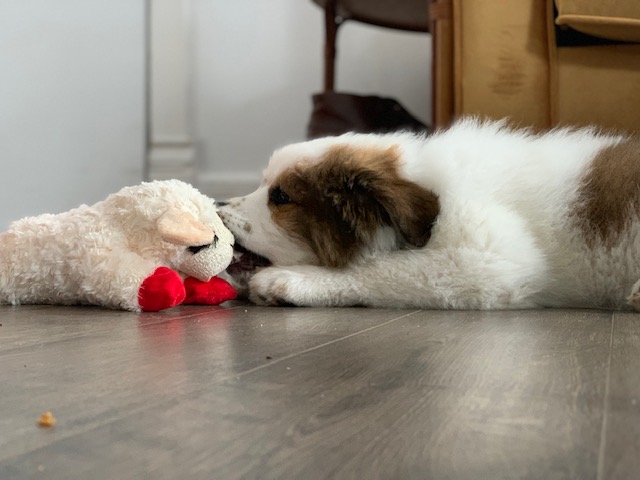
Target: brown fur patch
column 609, row 193
column 337, row 204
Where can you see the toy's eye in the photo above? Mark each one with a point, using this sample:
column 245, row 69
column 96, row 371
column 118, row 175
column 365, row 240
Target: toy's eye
column 278, row 197
column 196, row 248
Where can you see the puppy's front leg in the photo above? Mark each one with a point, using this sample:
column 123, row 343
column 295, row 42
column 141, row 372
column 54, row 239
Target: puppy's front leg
column 441, row 279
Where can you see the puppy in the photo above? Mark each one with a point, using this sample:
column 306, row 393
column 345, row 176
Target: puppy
column 479, row 216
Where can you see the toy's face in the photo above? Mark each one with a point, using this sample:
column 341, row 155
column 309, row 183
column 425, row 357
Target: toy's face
column 207, row 260
column 173, row 223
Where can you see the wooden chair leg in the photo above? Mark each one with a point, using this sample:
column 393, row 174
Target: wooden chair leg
column 332, row 22
column 441, row 15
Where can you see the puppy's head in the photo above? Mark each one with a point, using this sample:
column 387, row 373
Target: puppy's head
column 327, row 201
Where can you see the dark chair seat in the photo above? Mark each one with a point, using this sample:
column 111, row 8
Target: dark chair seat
column 400, row 14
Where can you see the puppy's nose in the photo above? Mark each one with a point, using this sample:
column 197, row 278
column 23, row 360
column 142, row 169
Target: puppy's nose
column 221, row 203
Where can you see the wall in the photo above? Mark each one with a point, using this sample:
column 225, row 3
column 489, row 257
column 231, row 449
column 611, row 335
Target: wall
column 72, row 128
column 72, row 95
column 256, row 64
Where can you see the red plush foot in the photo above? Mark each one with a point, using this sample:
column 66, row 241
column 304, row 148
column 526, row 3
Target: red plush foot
column 162, row 289
column 213, row 292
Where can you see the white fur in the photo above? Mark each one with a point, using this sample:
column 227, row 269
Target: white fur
column 504, row 237
column 101, row 254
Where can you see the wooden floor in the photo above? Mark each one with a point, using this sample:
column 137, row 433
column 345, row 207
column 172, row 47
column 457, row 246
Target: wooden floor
column 286, row 393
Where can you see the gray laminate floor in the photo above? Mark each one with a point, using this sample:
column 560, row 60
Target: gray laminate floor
column 286, row 393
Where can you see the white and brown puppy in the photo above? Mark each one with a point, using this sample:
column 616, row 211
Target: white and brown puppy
column 479, row 216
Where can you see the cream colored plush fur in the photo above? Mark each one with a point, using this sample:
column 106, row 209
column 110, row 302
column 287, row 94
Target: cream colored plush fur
column 101, row 254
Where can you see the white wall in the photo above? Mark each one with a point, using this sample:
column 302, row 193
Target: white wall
column 71, row 102
column 72, row 94
column 256, row 64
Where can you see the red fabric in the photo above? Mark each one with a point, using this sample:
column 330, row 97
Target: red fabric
column 162, row 289
column 213, row 292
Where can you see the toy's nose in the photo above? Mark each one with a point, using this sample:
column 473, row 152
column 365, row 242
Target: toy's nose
column 196, row 248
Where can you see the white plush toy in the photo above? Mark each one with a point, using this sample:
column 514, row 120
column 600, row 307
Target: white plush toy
column 147, row 247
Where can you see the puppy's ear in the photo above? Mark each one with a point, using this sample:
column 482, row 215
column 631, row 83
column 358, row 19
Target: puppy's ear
column 369, row 192
column 412, row 210
column 182, row 228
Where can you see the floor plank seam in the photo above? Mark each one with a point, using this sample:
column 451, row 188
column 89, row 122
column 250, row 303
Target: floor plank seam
column 316, row 347
column 196, row 313
column 605, row 407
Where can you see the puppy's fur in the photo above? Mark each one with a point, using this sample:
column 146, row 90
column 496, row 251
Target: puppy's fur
column 479, row 216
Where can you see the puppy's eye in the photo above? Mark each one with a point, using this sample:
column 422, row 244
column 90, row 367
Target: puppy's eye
column 278, row 197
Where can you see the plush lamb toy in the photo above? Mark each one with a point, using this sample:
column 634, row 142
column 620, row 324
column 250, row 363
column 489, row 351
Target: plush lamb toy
column 126, row 252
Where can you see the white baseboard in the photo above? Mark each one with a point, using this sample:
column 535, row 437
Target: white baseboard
column 171, row 160
column 222, row 185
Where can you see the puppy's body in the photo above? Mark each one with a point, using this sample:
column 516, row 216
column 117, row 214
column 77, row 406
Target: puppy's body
column 478, row 216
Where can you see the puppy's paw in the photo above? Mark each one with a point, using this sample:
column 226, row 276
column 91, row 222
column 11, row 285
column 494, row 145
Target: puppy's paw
column 273, row 286
column 301, row 286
